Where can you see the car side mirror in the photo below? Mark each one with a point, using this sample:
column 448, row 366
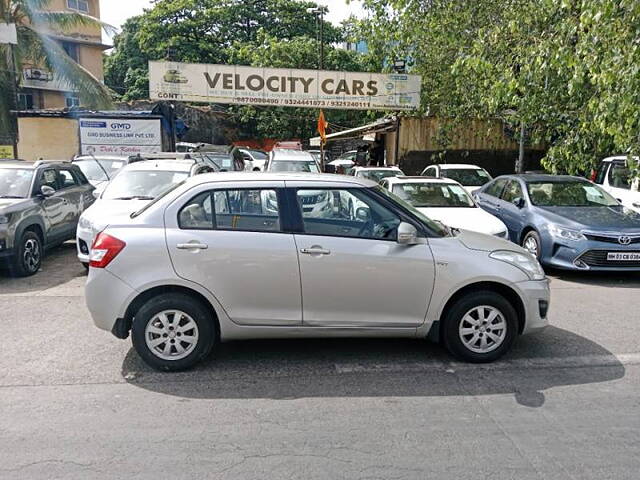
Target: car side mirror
column 519, row 202
column 96, row 194
column 363, row 214
column 408, row 234
column 46, row 191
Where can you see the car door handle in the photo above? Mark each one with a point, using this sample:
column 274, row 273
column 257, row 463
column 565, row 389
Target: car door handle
column 192, row 246
column 315, row 251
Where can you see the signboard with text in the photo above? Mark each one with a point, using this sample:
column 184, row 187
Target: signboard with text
column 6, row 151
column 102, row 136
column 279, row 87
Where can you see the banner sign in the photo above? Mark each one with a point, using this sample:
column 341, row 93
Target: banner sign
column 100, row 136
column 6, row 151
column 191, row 82
column 8, row 34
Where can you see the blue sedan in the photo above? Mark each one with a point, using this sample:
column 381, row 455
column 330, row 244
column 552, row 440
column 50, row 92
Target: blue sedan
column 566, row 222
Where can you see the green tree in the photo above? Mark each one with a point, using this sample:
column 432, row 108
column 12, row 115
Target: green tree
column 36, row 46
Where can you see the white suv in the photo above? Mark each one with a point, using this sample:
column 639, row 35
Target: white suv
column 615, row 176
column 235, row 256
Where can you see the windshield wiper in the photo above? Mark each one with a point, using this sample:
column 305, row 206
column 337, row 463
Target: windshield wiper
column 10, row 196
column 135, row 197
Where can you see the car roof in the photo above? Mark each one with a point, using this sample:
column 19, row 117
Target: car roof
column 461, row 166
column 619, row 158
column 33, row 164
column 282, row 154
column 539, row 177
column 163, row 165
column 422, row 179
column 124, row 158
column 390, row 167
column 252, row 177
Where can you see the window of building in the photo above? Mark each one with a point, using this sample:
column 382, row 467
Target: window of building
column 72, row 50
column 79, row 5
column 72, row 101
column 25, row 101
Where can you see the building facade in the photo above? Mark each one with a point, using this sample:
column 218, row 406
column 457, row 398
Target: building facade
column 40, row 88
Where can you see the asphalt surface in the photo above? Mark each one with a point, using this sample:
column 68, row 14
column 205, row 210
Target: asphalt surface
column 76, row 403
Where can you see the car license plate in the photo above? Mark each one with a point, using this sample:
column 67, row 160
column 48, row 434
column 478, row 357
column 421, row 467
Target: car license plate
column 623, row 256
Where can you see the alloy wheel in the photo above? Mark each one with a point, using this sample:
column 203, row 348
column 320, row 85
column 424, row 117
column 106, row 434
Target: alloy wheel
column 531, row 245
column 31, row 255
column 483, row 329
column 171, row 335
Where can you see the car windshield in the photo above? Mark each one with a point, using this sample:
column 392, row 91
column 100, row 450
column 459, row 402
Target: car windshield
column 100, row 169
column 258, row 155
column 222, row 161
column 377, row 175
column 294, row 166
column 436, row 227
column 142, row 184
column 15, row 182
column 469, row 177
column 422, row 195
column 569, row 194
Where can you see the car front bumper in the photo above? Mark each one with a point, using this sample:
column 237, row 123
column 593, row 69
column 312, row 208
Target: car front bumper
column 536, row 297
column 84, row 240
column 586, row 255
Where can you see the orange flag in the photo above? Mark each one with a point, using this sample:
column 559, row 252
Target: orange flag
column 322, row 128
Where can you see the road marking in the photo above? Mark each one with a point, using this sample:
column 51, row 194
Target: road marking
column 578, row 361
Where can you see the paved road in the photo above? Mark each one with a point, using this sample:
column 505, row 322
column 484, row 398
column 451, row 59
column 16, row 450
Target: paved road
column 76, row 403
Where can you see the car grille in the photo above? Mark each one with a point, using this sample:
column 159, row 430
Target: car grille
column 598, row 258
column 611, row 238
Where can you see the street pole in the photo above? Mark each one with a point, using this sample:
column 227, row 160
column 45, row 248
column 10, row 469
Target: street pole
column 8, row 37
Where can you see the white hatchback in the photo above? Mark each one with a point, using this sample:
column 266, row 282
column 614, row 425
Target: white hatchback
column 235, row 256
column 446, row 201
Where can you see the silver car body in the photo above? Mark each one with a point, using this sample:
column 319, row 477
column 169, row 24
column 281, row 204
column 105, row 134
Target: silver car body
column 261, row 285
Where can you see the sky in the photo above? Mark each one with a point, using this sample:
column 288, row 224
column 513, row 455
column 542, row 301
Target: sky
column 115, row 12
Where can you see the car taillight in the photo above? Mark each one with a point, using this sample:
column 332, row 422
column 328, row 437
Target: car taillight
column 104, row 249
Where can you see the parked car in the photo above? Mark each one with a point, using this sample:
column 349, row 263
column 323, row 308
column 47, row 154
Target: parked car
column 566, row 222
column 40, row 204
column 100, row 169
column 185, row 272
column 446, row 201
column 376, row 173
column 136, row 185
column 471, row 177
column 350, row 155
column 281, row 160
column 226, row 162
column 615, row 176
column 254, row 160
column 343, row 166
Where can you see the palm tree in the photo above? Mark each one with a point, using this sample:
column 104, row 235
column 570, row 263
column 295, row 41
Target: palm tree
column 34, row 25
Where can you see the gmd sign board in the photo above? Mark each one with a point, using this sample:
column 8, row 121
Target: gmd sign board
column 191, row 82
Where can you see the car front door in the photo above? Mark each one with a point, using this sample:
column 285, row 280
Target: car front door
column 512, row 209
column 232, row 242
column 353, row 271
column 55, row 207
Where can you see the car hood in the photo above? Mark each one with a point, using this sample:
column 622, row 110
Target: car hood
column 474, row 219
column 618, row 219
column 103, row 212
column 10, row 202
column 486, row 243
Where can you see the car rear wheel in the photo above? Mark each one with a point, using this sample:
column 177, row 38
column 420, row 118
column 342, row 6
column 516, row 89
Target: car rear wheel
column 173, row 332
column 480, row 327
column 29, row 253
column 531, row 242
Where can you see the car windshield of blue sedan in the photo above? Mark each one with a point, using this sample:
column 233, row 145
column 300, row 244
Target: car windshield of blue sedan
column 569, row 194
column 423, row 195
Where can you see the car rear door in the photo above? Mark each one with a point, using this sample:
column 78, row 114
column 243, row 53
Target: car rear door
column 55, row 207
column 353, row 271
column 73, row 194
column 232, row 242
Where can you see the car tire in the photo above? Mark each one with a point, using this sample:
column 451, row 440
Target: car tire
column 162, row 343
column 532, row 243
column 28, row 259
column 465, row 324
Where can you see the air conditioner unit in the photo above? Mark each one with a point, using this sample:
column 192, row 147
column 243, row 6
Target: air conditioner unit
column 38, row 74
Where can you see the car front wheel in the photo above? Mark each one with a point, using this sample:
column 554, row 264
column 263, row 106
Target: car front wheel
column 480, row 327
column 28, row 256
column 173, row 332
column 531, row 242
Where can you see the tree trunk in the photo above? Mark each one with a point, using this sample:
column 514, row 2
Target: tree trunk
column 520, row 163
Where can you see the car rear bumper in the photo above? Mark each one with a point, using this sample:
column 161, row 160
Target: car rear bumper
column 536, row 298
column 107, row 298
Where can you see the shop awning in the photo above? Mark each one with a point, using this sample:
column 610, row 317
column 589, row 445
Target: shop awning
column 382, row 125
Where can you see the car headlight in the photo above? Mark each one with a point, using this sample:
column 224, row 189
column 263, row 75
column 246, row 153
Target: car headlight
column 565, row 233
column 525, row 262
column 84, row 223
column 4, row 218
